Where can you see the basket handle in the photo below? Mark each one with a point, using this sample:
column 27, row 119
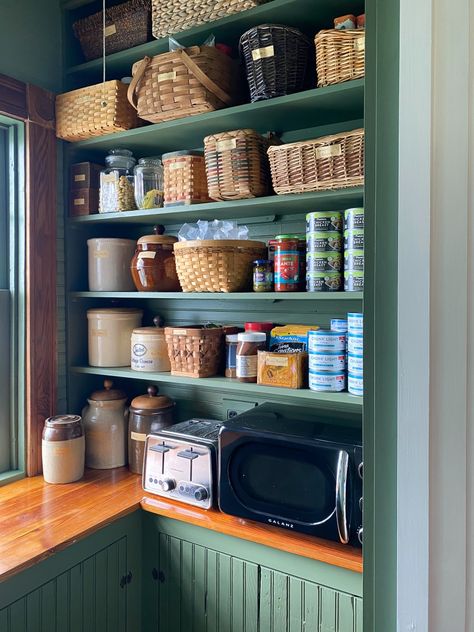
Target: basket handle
column 203, row 78
column 142, row 66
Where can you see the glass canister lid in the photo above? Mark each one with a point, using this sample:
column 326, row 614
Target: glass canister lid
column 158, row 237
column 121, row 158
column 108, row 394
column 152, row 402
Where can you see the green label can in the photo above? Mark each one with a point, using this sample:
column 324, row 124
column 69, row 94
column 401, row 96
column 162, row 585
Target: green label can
column 324, row 241
column 324, row 220
column 323, row 281
column 322, row 261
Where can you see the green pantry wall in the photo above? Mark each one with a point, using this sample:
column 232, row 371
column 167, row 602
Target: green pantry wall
column 35, row 56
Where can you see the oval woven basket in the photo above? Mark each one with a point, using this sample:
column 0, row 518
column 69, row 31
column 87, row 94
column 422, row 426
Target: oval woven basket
column 219, row 265
column 194, row 351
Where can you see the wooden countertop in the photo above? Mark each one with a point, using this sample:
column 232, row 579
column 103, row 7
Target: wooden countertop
column 37, row 519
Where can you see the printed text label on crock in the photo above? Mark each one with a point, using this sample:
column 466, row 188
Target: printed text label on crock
column 279, row 523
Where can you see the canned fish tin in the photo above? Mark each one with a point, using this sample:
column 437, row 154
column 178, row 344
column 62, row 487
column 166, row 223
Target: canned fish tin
column 324, row 220
column 332, row 361
column 323, row 261
column 324, row 241
column 339, row 324
column 353, row 281
column 354, row 239
column 355, row 344
column 325, row 381
column 324, row 281
column 355, row 363
column 355, row 384
column 354, row 260
column 322, row 340
column 355, row 323
column 353, row 218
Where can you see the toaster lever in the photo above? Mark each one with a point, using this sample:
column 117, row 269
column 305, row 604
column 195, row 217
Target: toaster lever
column 188, row 454
column 159, row 448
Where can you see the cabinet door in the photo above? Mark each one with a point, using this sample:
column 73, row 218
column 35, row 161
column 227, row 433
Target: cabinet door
column 291, row 604
column 201, row 590
column 89, row 596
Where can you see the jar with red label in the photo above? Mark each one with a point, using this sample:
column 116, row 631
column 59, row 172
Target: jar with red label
column 287, row 263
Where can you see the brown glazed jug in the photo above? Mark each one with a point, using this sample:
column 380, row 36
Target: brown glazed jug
column 153, row 266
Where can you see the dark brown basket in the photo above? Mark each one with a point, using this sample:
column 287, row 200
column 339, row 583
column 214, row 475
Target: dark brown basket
column 276, row 60
column 194, row 351
column 126, row 25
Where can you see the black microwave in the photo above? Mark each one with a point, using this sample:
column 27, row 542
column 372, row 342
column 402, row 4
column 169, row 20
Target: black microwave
column 286, row 466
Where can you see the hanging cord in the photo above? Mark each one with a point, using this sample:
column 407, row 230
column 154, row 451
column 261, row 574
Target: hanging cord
column 104, row 102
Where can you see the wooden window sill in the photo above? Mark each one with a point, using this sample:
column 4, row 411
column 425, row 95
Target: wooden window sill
column 37, row 519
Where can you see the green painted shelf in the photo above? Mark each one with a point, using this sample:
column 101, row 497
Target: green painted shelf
column 307, row 109
column 309, row 15
column 233, row 296
column 255, row 207
column 342, row 402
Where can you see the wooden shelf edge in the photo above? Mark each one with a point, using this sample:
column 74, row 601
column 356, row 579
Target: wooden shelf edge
column 331, row 553
column 217, row 296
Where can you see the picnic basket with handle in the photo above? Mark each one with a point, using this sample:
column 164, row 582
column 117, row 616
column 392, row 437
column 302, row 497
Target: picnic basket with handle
column 340, row 55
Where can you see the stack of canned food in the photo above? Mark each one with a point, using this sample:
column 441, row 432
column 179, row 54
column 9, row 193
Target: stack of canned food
column 324, row 251
column 355, row 350
column 327, row 359
column 354, row 250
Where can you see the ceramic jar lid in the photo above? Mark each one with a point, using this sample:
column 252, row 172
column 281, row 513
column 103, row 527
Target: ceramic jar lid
column 158, row 331
column 157, row 237
column 152, row 402
column 108, row 394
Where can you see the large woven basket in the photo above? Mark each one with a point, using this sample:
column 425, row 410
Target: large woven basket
column 172, row 16
column 237, row 165
column 340, row 55
column 329, row 162
column 126, row 25
column 194, row 351
column 220, row 265
column 94, row 111
column 184, row 82
column 276, row 59
column 184, row 178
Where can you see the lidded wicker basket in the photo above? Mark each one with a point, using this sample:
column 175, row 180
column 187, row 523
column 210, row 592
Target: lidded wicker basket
column 184, row 178
column 184, row 82
column 94, row 111
column 219, row 265
column 194, row 351
column 329, row 162
column 340, row 55
column 276, row 59
column 126, row 25
column 173, row 16
column 237, row 165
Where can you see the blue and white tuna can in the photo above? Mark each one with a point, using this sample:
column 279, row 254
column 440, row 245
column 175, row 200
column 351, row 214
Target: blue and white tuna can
column 355, row 363
column 355, row 323
column 355, row 344
column 339, row 324
column 322, row 339
column 325, row 381
column 355, row 384
column 332, row 361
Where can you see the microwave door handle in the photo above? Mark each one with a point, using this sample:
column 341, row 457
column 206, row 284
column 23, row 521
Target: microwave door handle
column 341, row 496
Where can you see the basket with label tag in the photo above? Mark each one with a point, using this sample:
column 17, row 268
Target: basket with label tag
column 329, row 162
column 276, row 60
column 340, row 55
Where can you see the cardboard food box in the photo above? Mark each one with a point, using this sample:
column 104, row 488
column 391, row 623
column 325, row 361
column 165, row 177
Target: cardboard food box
column 290, row 338
column 287, row 370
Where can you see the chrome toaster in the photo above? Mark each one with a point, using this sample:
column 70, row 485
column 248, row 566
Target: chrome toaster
column 181, row 462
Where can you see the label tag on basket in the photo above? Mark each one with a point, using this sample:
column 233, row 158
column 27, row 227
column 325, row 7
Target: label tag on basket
column 167, row 76
column 79, row 201
column 138, row 436
column 179, row 332
column 80, row 177
column 148, row 254
column 110, row 30
column 261, row 53
column 359, row 43
column 328, row 151
column 283, row 361
column 223, row 145
column 176, row 165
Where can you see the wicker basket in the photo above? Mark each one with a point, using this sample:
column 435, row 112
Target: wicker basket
column 184, row 178
column 94, row 111
column 276, row 59
column 237, row 165
column 220, row 265
column 173, row 16
column 184, row 82
column 329, row 162
column 194, row 351
column 126, row 25
column 340, row 55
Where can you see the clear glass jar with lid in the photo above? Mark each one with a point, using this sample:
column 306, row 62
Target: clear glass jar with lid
column 149, row 183
column 117, row 182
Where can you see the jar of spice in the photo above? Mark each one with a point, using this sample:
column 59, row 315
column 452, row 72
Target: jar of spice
column 105, row 425
column 262, row 275
column 148, row 415
column 287, row 263
column 153, row 266
column 63, row 448
column 249, row 343
column 116, row 182
column 149, row 183
column 231, row 342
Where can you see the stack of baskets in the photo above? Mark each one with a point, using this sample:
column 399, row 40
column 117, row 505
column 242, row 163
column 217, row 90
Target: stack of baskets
column 276, row 60
column 237, row 165
column 126, row 25
column 194, row 351
column 184, row 82
column 340, row 55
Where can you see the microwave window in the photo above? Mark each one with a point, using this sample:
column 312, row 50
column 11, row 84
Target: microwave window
column 282, row 481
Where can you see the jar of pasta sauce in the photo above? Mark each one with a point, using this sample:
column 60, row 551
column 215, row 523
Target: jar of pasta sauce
column 287, row 263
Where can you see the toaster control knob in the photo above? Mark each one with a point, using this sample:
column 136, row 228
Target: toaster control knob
column 167, row 484
column 201, row 493
column 360, row 534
